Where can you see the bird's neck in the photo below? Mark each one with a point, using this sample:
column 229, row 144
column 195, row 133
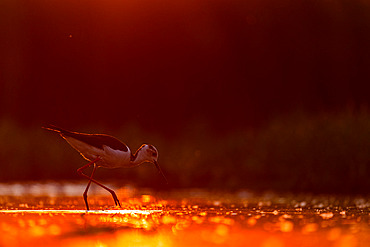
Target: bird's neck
column 138, row 158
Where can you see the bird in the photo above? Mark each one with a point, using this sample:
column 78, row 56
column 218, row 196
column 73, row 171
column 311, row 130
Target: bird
column 106, row 151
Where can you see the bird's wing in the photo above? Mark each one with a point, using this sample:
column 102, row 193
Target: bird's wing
column 96, row 140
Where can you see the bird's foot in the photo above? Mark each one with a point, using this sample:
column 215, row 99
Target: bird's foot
column 118, row 205
column 116, row 201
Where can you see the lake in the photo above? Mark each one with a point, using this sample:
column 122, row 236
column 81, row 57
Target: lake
column 53, row 213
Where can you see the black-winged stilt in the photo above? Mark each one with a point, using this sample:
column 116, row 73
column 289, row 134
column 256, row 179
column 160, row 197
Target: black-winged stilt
column 108, row 152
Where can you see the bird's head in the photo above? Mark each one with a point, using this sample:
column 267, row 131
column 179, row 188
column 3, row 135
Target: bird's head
column 150, row 154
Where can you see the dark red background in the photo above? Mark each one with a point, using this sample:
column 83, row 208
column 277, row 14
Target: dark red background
column 203, row 80
column 163, row 63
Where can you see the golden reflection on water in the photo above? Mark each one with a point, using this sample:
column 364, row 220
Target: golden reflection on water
column 184, row 219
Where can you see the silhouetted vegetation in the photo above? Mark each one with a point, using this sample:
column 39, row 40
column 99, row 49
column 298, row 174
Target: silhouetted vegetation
column 299, row 152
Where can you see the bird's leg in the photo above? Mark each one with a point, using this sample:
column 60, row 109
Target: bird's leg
column 87, row 188
column 79, row 171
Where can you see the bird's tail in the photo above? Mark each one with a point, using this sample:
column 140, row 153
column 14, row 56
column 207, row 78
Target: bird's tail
column 53, row 128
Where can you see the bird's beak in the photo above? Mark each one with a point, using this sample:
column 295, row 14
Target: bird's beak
column 160, row 170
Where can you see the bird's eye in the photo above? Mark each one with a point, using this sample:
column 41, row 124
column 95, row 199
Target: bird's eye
column 154, row 154
column 151, row 147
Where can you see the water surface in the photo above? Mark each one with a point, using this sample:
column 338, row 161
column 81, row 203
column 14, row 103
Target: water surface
column 55, row 215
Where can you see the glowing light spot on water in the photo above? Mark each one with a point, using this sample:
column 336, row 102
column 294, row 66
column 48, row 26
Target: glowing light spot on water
column 216, row 219
column 286, row 216
column 218, row 236
column 146, row 198
column 221, row 220
column 275, row 212
column 42, row 222
column 197, row 219
column 229, row 222
column 203, row 213
column 286, row 226
column 167, row 219
column 222, row 230
column 21, row 223
column 37, row 231
column 181, row 225
column 23, row 205
column 144, row 224
column 173, row 229
column 327, row 216
column 309, row 228
column 31, row 223
column 100, row 244
column 251, row 221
